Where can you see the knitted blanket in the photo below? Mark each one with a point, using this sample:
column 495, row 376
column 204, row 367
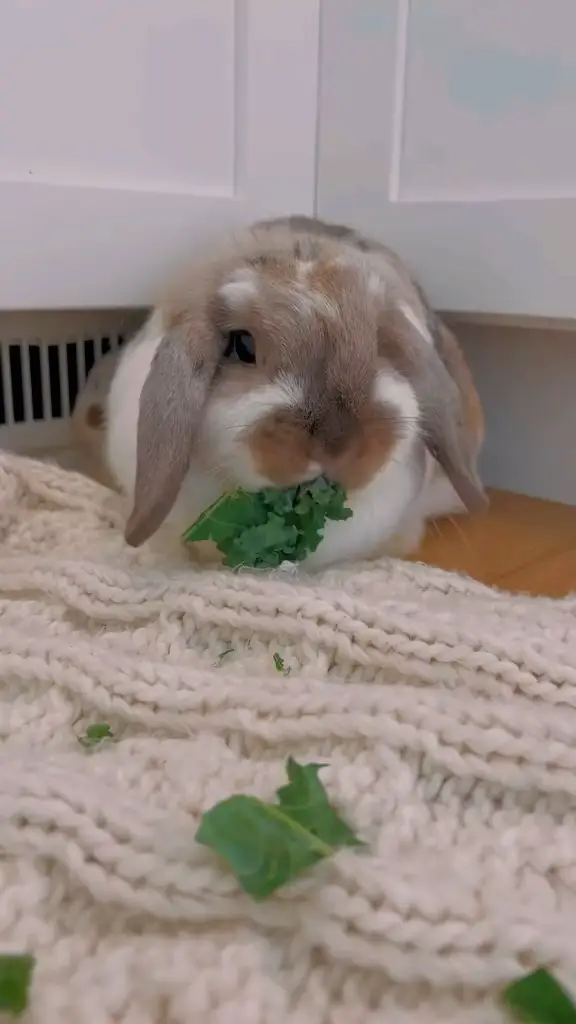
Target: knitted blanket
column 444, row 711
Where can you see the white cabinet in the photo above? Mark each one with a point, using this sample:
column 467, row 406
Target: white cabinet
column 133, row 130
column 447, row 129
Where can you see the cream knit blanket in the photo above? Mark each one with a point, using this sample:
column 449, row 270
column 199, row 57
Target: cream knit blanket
column 444, row 710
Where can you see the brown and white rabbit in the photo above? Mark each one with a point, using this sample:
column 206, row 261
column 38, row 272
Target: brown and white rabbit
column 298, row 348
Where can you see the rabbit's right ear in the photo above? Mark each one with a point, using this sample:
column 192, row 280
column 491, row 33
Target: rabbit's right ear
column 171, row 404
column 445, row 426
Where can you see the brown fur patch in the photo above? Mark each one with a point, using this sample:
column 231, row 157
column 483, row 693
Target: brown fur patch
column 280, row 448
column 95, row 418
column 348, row 450
column 365, row 451
column 329, row 279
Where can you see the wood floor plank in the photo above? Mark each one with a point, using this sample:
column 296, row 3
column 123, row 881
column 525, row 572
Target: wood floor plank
column 515, row 533
column 553, row 576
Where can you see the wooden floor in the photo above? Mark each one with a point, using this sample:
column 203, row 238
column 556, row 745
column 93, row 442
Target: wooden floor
column 521, row 544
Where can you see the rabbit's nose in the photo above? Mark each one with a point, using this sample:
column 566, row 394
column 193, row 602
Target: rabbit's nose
column 335, row 447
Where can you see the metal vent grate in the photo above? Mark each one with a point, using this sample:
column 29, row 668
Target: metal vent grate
column 41, row 382
column 44, row 362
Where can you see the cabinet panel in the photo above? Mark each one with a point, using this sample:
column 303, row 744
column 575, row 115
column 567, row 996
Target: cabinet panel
column 119, row 94
column 449, row 136
column 132, row 132
column 486, row 105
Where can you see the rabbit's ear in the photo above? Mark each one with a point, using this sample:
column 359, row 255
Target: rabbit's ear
column 411, row 351
column 171, row 404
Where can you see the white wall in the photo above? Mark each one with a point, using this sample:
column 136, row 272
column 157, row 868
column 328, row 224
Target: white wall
column 527, row 381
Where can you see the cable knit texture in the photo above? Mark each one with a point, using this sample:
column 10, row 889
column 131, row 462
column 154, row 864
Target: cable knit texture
column 446, row 715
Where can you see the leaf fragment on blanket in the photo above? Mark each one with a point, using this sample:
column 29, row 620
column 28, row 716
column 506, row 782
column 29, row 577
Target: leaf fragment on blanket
column 96, row 734
column 268, row 845
column 280, row 664
column 15, row 978
column 539, row 999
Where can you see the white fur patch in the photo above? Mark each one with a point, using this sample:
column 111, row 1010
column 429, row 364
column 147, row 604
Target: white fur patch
column 240, row 289
column 124, row 401
column 418, row 325
column 375, row 284
column 291, row 390
column 392, row 390
column 438, row 496
column 381, row 508
column 353, row 258
column 303, row 270
column 227, row 420
column 379, row 511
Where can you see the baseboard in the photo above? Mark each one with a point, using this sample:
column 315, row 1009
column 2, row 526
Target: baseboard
column 526, row 376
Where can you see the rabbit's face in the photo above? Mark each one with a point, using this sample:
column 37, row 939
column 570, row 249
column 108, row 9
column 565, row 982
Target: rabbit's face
column 302, row 389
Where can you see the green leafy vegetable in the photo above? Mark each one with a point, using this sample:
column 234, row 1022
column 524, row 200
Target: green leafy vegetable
column 280, row 664
column 267, row 845
column 265, row 528
column 224, row 654
column 539, row 999
column 15, row 977
column 95, row 734
column 305, row 800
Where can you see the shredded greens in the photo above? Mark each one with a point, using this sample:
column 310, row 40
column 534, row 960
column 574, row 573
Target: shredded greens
column 262, row 529
column 280, row 664
column 15, row 978
column 96, row 734
column 539, row 999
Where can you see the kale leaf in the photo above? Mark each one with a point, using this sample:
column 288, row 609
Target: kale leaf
column 96, row 734
column 15, row 978
column 537, row 998
column 267, row 845
column 262, row 529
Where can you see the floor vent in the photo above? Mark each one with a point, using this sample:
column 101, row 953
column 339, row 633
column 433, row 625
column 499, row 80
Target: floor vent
column 44, row 361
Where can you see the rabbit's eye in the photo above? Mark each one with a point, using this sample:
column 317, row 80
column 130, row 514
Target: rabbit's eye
column 244, row 347
column 240, row 347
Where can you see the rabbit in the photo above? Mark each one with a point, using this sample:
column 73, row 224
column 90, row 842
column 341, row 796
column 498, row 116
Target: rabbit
column 87, row 421
column 296, row 348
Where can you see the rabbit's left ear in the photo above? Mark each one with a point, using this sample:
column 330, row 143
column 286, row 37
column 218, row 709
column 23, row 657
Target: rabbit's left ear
column 171, row 404
column 447, row 432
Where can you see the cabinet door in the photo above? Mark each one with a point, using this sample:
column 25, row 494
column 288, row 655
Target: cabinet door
column 132, row 131
column 447, row 128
